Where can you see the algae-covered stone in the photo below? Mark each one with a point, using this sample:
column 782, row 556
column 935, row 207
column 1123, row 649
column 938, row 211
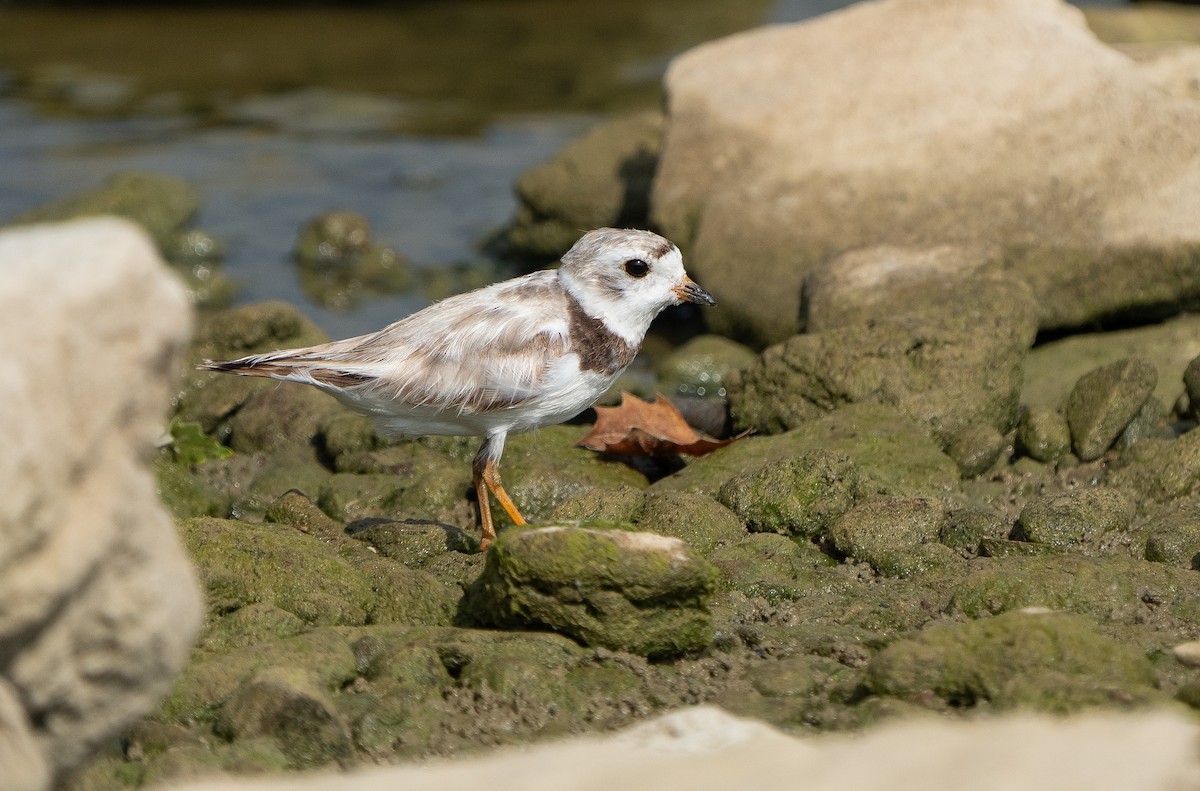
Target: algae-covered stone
column 1191, row 382
column 1042, row 434
column 289, row 705
column 338, row 262
column 321, row 583
column 946, row 370
column 250, row 625
column 617, row 504
column 965, row 528
column 773, row 567
column 1103, row 403
column 1160, row 470
column 975, row 448
column 1151, row 422
column 544, row 468
column 211, row 679
column 184, row 494
column 416, row 543
column 1048, row 661
column 897, row 536
column 274, row 476
column 242, row 564
column 892, row 453
column 1173, row 534
column 799, row 495
column 1089, row 586
column 601, row 179
column 697, row 519
column 283, row 417
column 295, row 508
column 701, row 366
column 159, row 203
column 638, row 592
column 1093, row 521
column 425, row 484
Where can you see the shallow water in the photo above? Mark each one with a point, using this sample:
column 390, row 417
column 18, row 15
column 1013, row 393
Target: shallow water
column 418, row 117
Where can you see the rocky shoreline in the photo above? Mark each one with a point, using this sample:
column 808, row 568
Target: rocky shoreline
column 962, row 496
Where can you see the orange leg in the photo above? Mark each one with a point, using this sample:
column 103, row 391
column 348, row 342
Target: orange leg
column 485, row 472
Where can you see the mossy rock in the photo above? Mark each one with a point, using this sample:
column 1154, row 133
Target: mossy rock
column 897, row 536
column 697, row 519
column 975, row 448
column 958, row 366
column 280, row 418
column 212, row 678
column 638, row 592
column 1104, row 401
column 799, row 495
column 1051, row 662
column 601, row 179
column 1160, row 470
column 892, row 454
column 1043, row 434
column 773, row 567
column 159, row 203
column 1173, row 534
column 426, row 484
column 543, row 469
column 1088, row 586
column 242, row 563
column 322, row 584
column 702, row 366
column 290, row 706
column 277, row 474
column 184, row 494
column 1092, row 521
column 616, row 504
column 250, row 625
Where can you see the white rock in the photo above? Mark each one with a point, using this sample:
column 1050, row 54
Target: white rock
column 98, row 602
column 922, row 122
column 1098, row 752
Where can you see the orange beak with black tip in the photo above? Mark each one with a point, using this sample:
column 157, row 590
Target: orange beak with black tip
column 688, row 291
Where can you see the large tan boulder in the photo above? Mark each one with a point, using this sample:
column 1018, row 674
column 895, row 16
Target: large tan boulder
column 98, row 603
column 919, row 122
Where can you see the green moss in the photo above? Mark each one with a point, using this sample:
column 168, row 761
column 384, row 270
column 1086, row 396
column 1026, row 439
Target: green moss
column 243, row 564
column 1050, row 662
column 184, row 494
column 1063, row 582
column 891, row 453
column 798, row 495
column 633, row 591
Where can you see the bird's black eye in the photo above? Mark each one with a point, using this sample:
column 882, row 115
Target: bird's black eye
column 636, row 267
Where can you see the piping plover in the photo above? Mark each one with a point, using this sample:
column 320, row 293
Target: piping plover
column 510, row 357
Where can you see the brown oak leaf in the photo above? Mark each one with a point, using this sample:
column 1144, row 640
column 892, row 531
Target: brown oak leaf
column 648, row 428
